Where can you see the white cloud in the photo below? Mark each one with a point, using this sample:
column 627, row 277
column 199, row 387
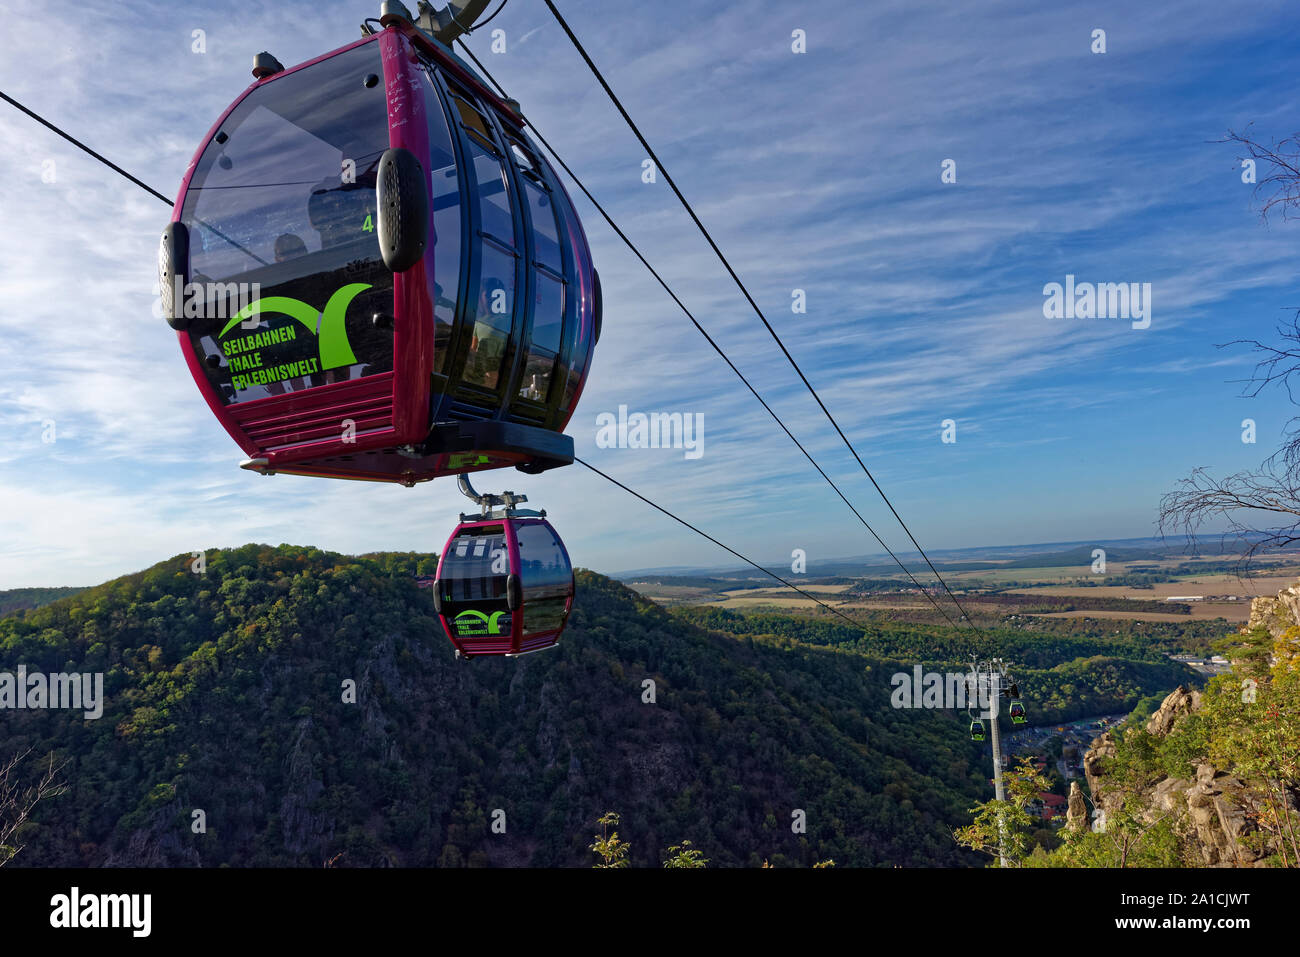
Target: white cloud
column 818, row 171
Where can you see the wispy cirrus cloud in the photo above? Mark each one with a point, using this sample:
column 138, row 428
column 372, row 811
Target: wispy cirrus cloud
column 817, row 171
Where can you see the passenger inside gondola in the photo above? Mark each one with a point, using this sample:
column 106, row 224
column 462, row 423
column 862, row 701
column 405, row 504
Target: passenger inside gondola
column 343, row 212
column 288, row 246
column 488, row 345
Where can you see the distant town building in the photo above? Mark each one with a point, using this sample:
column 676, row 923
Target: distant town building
column 1047, row 806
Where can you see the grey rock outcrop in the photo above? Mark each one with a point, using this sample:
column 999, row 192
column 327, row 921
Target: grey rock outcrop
column 1212, row 812
column 1076, row 812
column 1277, row 613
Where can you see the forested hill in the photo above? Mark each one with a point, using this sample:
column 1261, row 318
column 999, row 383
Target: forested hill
column 225, row 694
column 14, row 599
column 1062, row 676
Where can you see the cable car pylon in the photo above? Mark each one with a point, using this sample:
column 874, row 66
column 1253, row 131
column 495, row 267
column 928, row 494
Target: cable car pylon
column 995, row 675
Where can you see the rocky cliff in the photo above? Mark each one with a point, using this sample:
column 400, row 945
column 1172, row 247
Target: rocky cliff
column 1278, row 613
column 1211, row 809
column 1213, row 812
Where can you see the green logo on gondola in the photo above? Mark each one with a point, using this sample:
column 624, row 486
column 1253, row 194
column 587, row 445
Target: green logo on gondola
column 478, row 623
column 328, row 326
column 462, row 459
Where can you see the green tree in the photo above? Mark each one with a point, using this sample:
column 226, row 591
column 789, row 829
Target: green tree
column 683, row 855
column 1004, row 829
column 612, row 851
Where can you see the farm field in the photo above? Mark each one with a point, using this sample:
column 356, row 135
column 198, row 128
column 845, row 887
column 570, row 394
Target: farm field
column 1027, row 590
column 1234, row 612
column 1195, row 585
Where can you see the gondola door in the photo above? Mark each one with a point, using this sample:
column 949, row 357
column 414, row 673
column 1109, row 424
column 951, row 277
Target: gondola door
column 473, row 589
column 546, row 583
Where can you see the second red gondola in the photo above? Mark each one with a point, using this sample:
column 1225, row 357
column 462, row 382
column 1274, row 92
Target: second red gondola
column 504, row 586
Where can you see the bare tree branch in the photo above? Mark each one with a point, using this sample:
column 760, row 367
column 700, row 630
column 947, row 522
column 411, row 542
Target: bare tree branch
column 17, row 802
column 1279, row 186
column 1261, row 508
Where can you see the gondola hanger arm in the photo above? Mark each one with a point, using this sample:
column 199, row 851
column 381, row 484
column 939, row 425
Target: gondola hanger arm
column 446, row 24
column 507, row 502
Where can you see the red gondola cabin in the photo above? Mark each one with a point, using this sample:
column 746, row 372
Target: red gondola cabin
column 374, row 274
column 504, row 586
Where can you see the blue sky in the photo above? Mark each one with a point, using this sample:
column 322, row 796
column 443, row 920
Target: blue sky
column 818, row 171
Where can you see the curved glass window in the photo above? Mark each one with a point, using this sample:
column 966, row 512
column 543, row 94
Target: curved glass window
column 447, row 212
column 493, row 192
column 524, row 158
column 546, row 577
column 475, row 123
column 582, row 271
column 543, row 566
column 282, row 204
column 492, row 317
column 544, row 344
column 476, row 565
column 546, row 233
column 472, row 582
column 524, row 297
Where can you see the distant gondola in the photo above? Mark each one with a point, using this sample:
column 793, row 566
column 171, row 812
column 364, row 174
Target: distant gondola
column 504, row 585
